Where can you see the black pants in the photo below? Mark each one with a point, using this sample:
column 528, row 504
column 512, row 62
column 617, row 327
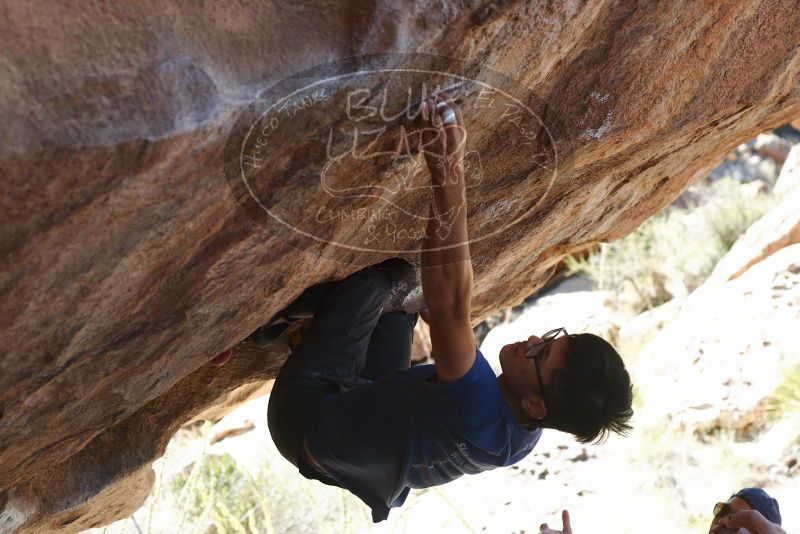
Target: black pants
column 348, row 340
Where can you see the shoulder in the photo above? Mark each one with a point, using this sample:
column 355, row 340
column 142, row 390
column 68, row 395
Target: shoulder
column 479, row 374
column 474, row 398
column 452, row 344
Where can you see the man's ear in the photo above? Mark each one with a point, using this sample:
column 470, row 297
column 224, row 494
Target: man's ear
column 534, row 406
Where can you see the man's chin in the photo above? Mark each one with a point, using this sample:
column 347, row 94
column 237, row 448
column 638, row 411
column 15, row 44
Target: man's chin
column 501, row 357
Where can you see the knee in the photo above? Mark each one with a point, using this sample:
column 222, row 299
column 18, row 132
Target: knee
column 377, row 281
column 395, row 268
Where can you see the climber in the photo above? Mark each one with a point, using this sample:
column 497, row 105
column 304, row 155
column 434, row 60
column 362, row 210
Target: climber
column 748, row 511
column 347, row 410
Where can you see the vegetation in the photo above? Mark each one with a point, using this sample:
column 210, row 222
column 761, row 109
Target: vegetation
column 784, row 404
column 221, row 491
column 674, row 251
column 218, row 493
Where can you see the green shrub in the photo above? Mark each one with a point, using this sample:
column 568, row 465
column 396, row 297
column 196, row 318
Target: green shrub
column 785, row 400
column 218, row 491
column 735, row 211
column 674, row 251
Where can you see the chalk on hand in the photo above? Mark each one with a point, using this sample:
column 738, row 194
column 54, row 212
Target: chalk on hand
column 448, row 115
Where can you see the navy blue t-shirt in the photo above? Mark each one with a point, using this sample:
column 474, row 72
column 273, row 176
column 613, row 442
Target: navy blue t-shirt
column 405, row 430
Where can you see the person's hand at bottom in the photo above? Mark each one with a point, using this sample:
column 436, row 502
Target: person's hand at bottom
column 751, row 522
column 222, row 358
column 565, row 526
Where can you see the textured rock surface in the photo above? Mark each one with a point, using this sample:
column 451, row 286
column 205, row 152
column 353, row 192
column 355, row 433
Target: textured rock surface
column 126, row 264
column 733, row 338
column 111, row 476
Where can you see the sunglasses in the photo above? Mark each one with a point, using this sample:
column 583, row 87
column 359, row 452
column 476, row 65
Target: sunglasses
column 722, row 508
column 539, row 349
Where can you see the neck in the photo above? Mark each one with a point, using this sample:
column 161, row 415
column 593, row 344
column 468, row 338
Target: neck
column 513, row 403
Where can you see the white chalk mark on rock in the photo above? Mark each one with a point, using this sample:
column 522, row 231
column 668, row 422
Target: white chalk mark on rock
column 596, row 102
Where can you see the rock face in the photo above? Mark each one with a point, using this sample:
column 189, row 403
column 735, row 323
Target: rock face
column 733, row 337
column 127, row 262
column 789, row 178
column 772, row 146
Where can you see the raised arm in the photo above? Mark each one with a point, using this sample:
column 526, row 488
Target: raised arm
column 446, row 264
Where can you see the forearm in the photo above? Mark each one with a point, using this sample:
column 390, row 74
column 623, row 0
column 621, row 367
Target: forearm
column 446, row 264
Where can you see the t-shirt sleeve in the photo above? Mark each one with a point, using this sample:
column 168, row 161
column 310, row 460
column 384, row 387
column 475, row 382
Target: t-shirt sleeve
column 468, row 402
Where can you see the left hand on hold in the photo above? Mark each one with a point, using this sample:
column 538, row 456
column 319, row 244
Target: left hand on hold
column 443, row 143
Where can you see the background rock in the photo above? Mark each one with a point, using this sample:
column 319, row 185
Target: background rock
column 98, row 484
column 779, row 228
column 769, row 145
column 745, row 164
column 574, row 304
column 789, row 178
column 126, row 263
column 725, row 350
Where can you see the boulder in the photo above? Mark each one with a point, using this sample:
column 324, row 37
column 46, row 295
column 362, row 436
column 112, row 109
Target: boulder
column 789, row 178
column 643, row 325
column 745, row 165
column 769, row 145
column 776, row 229
column 98, row 484
column 726, row 350
column 132, row 254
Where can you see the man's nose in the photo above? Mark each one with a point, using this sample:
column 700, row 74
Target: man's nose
column 532, row 340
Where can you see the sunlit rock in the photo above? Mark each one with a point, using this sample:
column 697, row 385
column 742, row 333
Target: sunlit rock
column 714, row 364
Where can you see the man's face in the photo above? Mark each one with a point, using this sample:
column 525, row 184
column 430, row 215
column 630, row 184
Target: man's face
column 520, row 372
column 735, row 504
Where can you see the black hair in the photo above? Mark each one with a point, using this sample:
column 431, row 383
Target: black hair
column 592, row 395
